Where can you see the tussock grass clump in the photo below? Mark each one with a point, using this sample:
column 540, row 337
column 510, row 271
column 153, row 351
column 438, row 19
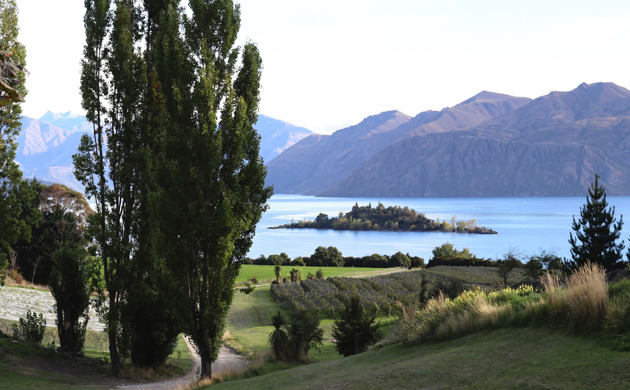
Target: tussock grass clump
column 471, row 311
column 578, row 304
column 581, row 302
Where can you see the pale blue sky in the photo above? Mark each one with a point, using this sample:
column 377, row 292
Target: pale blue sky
column 330, row 63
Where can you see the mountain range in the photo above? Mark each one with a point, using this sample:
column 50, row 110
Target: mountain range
column 490, row 145
column 46, row 145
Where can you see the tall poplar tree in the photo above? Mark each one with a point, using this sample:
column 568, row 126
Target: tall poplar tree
column 210, row 175
column 596, row 232
column 174, row 168
column 112, row 87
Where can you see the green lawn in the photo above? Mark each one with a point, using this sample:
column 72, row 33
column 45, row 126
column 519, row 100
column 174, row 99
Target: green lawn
column 265, row 273
column 503, row 359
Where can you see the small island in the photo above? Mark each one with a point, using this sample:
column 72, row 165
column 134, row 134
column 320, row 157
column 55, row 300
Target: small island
column 393, row 218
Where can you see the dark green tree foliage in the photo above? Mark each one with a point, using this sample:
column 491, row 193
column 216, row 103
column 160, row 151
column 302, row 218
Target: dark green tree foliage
column 400, row 259
column 70, row 282
column 64, row 214
column 14, row 194
column 550, row 261
column 596, row 232
column 91, row 169
column 327, row 257
column 210, row 175
column 355, row 329
column 534, row 268
column 114, row 166
column 62, row 241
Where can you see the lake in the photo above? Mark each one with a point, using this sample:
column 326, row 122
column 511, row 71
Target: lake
column 526, row 225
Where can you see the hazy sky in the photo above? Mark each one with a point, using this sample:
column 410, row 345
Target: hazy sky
column 330, row 63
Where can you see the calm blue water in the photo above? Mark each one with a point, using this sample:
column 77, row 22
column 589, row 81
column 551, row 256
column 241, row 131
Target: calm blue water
column 524, row 224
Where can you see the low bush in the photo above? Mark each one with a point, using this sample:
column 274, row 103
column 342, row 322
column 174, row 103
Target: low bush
column 30, row 329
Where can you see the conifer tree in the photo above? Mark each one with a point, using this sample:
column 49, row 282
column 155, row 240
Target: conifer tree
column 355, row 329
column 596, row 232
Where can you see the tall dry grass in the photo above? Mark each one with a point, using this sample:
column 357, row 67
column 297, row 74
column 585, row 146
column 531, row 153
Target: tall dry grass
column 473, row 310
column 580, row 302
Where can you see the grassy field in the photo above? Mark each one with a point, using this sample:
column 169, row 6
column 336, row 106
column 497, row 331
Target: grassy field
column 501, row 359
column 265, row 273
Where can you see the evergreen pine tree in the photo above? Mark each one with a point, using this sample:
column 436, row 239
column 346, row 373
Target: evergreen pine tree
column 596, row 232
column 355, row 330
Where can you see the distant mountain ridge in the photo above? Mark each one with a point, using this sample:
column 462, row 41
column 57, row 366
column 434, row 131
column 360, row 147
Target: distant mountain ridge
column 46, row 145
column 45, row 150
column 488, row 145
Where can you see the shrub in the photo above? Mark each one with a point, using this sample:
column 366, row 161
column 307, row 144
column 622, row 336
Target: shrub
column 534, row 268
column 451, row 288
column 30, row 329
column 291, row 340
column 249, row 288
column 16, row 276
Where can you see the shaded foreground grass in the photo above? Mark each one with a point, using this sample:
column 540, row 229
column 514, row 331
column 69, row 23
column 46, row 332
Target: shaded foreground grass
column 24, row 366
column 265, row 273
column 27, row 366
column 535, row 358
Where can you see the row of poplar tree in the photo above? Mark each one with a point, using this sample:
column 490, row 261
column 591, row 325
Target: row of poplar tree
column 173, row 168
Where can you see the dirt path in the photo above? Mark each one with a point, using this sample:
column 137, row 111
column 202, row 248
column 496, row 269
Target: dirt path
column 227, row 362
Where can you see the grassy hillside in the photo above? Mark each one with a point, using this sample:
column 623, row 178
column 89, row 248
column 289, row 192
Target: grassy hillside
column 503, row 359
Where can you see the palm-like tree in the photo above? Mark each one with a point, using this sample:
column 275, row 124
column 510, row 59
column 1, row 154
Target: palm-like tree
column 278, row 337
column 278, row 271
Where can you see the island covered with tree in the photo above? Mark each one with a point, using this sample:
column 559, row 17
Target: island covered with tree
column 392, row 218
